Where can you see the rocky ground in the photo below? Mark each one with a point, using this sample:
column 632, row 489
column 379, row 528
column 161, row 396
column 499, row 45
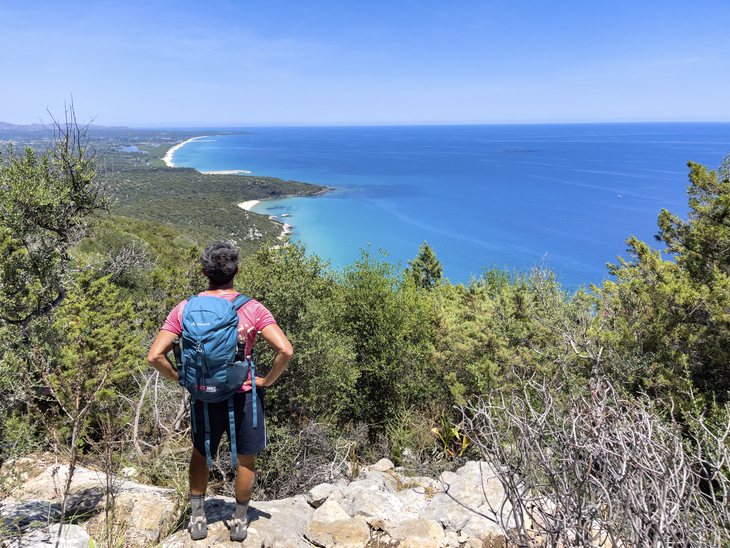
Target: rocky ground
column 379, row 507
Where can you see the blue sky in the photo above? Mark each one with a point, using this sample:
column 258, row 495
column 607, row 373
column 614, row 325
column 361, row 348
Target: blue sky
column 273, row 62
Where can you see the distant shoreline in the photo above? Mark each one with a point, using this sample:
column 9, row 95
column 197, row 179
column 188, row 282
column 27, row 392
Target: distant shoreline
column 167, row 158
column 248, row 205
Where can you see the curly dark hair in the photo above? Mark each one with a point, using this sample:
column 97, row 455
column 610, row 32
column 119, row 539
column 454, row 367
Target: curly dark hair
column 220, row 261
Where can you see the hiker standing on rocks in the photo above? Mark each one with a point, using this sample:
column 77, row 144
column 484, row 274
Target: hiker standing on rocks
column 243, row 411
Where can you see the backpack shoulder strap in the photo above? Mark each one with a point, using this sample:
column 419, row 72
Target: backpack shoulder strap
column 185, row 309
column 239, row 301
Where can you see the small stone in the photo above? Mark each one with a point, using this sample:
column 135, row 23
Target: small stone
column 72, row 536
column 383, row 465
column 320, row 493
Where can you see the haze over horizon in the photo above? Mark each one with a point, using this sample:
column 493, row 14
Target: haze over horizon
column 226, row 64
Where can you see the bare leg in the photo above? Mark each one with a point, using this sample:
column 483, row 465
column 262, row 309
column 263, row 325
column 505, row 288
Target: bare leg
column 245, row 476
column 199, row 473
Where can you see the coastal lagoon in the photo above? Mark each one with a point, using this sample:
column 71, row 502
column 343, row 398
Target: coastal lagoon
column 481, row 195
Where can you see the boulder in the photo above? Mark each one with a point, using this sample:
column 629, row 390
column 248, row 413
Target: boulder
column 418, row 533
column 273, row 524
column 72, row 536
column 376, row 504
column 31, row 514
column 469, row 486
column 384, row 481
column 141, row 518
column 345, row 533
column 320, row 493
column 383, row 465
column 330, row 511
column 415, row 501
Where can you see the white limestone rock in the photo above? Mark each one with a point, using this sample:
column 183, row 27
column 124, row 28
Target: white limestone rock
column 376, row 504
column 346, row 533
column 72, row 536
column 418, row 533
column 469, row 486
column 383, row 465
column 330, row 511
column 320, row 493
column 273, row 524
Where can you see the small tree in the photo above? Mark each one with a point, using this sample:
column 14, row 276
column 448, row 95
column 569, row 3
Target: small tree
column 45, row 205
column 426, row 269
column 99, row 348
column 669, row 318
column 392, row 327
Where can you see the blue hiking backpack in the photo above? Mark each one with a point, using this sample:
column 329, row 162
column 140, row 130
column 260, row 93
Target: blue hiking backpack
column 210, row 365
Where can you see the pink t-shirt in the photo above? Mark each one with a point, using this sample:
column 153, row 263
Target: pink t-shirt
column 253, row 317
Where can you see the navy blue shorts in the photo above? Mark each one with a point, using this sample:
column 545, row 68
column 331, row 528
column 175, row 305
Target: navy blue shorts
column 249, row 440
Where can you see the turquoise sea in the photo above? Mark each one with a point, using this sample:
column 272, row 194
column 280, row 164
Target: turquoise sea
column 481, row 195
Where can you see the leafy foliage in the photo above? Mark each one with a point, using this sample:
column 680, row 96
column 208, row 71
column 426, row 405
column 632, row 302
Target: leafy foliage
column 45, row 206
column 391, row 325
column 99, row 350
column 670, row 317
column 301, row 293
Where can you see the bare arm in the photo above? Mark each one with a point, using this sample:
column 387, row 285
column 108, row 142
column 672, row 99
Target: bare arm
column 273, row 335
column 158, row 354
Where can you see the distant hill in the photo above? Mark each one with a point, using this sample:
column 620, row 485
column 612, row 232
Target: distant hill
column 36, row 127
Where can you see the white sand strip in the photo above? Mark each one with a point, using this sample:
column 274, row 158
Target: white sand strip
column 225, row 172
column 248, row 205
column 167, row 158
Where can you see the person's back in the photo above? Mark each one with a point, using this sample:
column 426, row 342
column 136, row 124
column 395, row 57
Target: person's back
column 220, row 265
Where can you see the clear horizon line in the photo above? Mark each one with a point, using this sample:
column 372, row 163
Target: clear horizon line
column 411, row 124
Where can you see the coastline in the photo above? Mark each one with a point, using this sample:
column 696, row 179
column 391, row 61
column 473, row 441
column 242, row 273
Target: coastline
column 286, row 229
column 167, row 158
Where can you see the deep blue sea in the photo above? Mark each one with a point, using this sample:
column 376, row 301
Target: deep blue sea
column 481, row 195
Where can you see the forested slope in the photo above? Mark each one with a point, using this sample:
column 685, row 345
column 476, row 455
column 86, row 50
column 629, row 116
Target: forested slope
column 205, row 206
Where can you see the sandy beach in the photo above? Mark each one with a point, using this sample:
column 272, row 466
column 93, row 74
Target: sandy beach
column 167, row 158
column 248, row 205
column 286, row 229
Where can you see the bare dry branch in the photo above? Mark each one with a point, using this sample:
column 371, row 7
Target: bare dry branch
column 601, row 470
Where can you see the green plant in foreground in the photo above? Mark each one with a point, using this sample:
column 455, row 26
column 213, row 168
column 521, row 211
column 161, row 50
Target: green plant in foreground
column 455, row 443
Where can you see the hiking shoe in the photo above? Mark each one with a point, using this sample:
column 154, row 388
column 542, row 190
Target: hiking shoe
column 239, row 530
column 198, row 528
